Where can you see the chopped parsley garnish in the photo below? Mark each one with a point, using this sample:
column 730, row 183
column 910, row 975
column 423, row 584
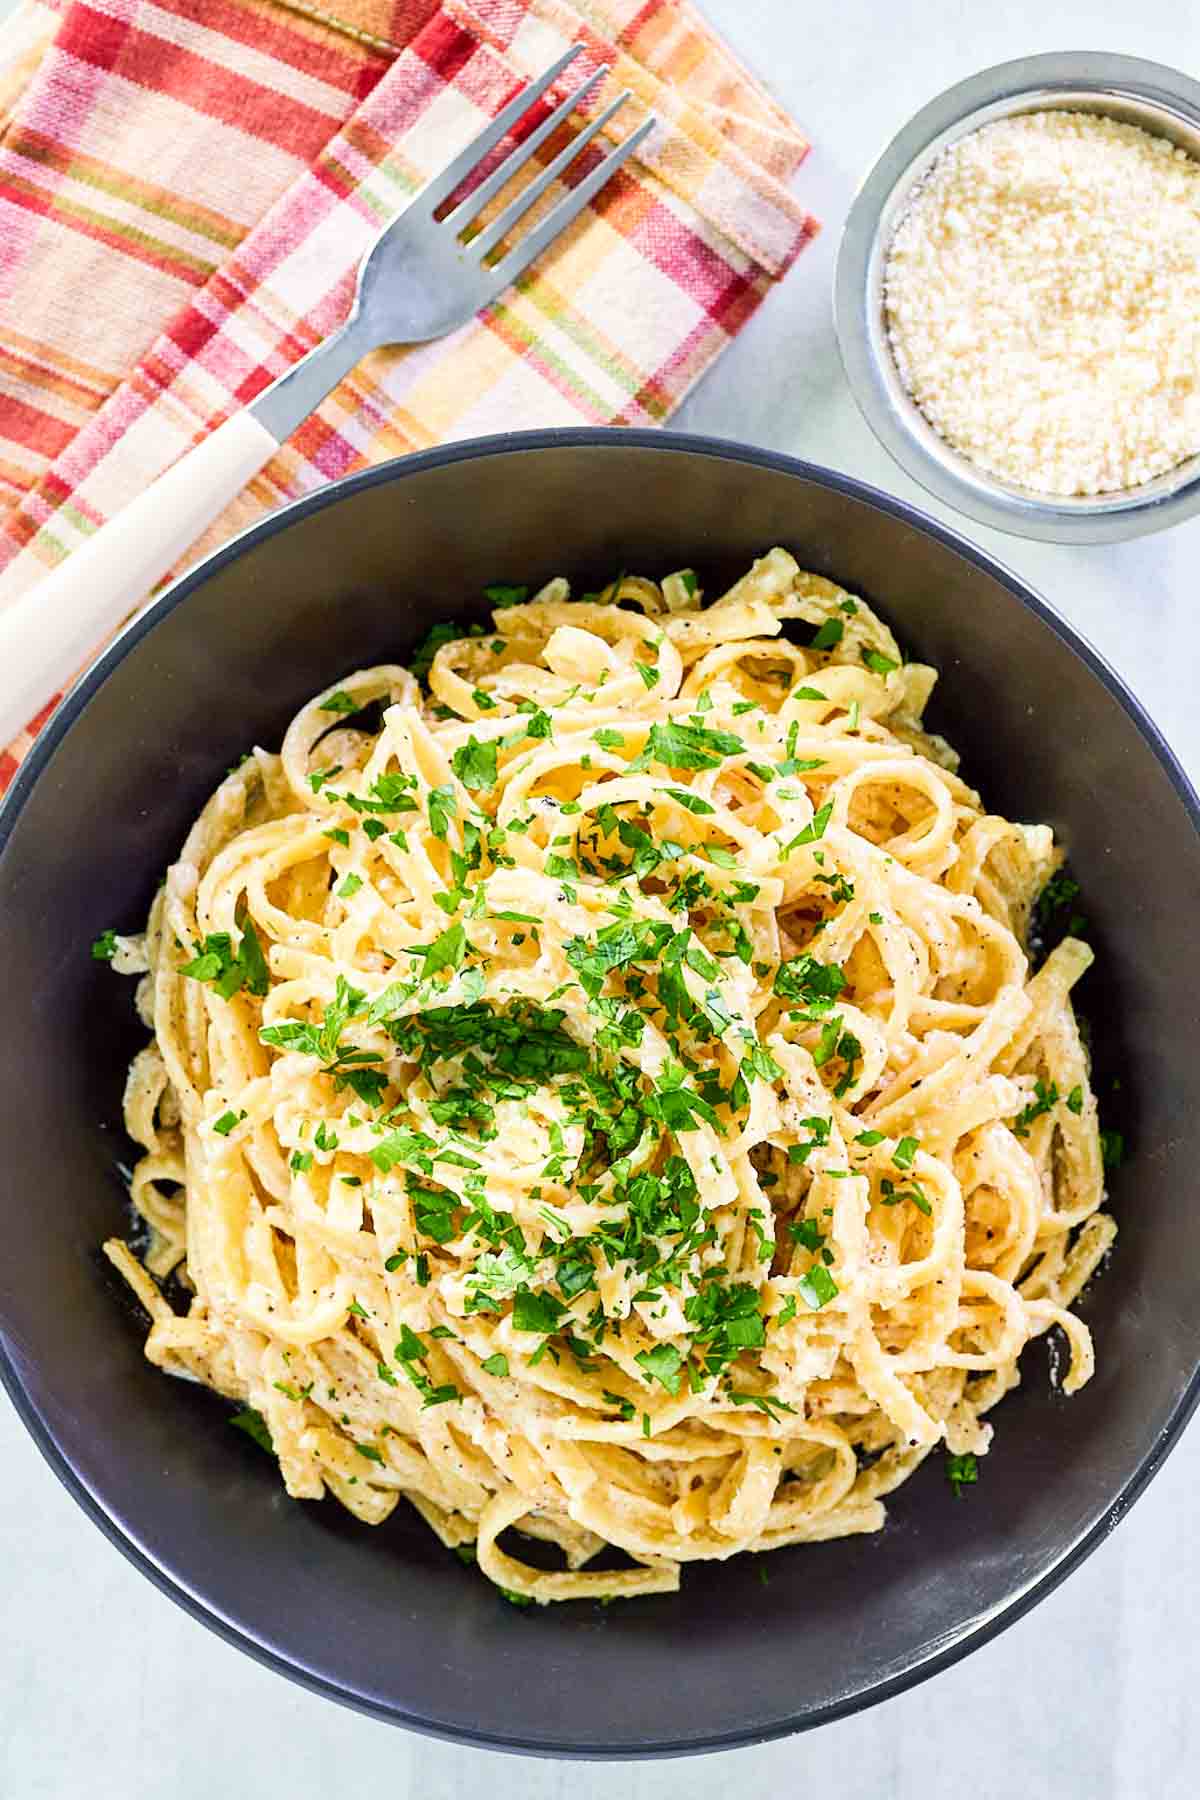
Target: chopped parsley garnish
column 341, row 702
column 763, row 1403
column 1055, row 914
column 444, row 632
column 442, row 809
column 662, row 1364
column 501, row 594
column 961, row 1471
column 813, row 831
column 691, row 802
column 810, row 983
column 249, row 1420
column 323, row 1040
column 537, row 723
column 445, row 952
column 539, row 1313
column 1112, row 1149
column 891, row 1195
column 1044, row 1101
column 105, row 947
column 690, row 746
column 807, row 1233
column 818, row 1287
column 830, row 634
column 878, row 663
column 475, row 765
column 227, row 971
column 727, row 1321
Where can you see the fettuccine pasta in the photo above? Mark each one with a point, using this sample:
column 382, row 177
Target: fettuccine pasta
column 605, row 1099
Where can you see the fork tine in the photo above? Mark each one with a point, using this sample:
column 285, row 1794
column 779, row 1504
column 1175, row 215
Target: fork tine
column 475, row 201
column 444, row 184
column 522, row 254
column 500, row 227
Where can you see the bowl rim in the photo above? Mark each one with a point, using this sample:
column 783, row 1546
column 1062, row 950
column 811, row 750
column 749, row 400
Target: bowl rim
column 1057, row 79
column 946, row 1651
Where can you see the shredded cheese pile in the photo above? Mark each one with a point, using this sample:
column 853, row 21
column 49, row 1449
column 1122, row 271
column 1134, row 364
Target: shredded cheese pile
column 1042, row 294
column 609, row 1098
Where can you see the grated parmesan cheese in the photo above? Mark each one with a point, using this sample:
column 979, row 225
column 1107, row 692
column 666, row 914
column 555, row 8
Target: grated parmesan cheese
column 1042, row 295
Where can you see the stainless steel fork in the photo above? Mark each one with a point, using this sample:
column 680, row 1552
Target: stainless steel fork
column 419, row 280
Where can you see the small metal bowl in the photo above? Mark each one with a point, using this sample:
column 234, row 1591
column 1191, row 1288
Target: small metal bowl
column 1160, row 100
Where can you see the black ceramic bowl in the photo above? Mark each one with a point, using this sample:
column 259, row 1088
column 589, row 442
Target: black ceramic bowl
column 386, row 1619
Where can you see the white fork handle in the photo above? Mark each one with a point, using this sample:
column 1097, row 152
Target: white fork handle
column 47, row 634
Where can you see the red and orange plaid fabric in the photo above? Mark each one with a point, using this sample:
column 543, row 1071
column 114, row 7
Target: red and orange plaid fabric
column 186, row 187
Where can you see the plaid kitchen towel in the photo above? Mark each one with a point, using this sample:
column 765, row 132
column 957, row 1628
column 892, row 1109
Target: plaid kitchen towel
column 186, row 187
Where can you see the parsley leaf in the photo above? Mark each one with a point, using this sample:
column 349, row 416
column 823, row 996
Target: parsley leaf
column 539, row 1312
column 254, row 1425
column 813, row 831
column 421, row 660
column 802, row 978
column 442, row 808
column 227, row 970
column 475, row 765
column 818, row 1287
column 105, row 947
column 1112, row 1149
column 409, row 1347
column 662, row 1364
column 1044, row 1101
column 445, row 952
column 829, row 635
column 341, row 702
column 692, row 802
column 690, row 746
column 961, row 1471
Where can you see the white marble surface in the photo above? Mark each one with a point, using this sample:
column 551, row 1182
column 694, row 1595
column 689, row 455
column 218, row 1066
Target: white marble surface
column 108, row 1690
